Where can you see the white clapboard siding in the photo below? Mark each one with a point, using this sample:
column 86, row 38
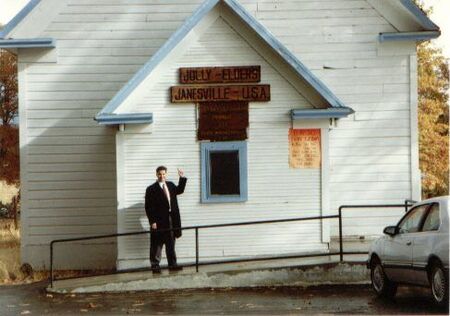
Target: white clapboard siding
column 102, row 43
column 70, row 169
column 275, row 190
column 372, row 148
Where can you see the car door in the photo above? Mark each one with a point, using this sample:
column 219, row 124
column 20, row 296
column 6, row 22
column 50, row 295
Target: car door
column 424, row 243
column 398, row 251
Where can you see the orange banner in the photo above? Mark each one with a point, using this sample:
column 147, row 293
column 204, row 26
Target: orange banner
column 304, row 148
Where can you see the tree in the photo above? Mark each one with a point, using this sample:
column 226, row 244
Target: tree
column 9, row 133
column 8, row 87
column 433, row 71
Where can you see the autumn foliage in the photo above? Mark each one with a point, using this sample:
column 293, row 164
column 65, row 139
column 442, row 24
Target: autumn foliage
column 433, row 120
column 9, row 133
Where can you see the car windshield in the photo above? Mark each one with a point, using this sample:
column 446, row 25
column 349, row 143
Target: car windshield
column 432, row 221
column 411, row 222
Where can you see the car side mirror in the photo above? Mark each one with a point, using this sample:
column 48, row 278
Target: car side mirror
column 390, row 230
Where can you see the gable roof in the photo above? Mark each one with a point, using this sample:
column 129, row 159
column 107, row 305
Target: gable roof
column 427, row 31
column 299, row 69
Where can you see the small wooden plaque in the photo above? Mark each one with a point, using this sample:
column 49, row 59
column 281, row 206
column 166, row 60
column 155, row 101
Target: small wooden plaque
column 220, row 121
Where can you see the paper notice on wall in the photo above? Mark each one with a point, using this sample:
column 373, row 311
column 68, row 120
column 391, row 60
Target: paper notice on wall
column 304, row 148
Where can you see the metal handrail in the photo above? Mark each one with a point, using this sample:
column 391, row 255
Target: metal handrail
column 196, row 228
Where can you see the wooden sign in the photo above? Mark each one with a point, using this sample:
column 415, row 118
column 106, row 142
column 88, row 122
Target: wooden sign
column 194, row 94
column 221, row 121
column 238, row 74
column 304, row 148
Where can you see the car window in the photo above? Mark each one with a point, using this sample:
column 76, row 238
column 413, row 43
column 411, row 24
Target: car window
column 432, row 221
column 411, row 222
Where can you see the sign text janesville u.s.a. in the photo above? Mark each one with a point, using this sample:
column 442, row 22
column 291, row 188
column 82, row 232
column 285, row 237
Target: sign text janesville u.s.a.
column 204, row 93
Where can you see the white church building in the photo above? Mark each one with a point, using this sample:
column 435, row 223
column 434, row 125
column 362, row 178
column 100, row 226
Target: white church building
column 274, row 109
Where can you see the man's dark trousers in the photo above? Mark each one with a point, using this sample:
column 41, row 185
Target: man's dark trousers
column 157, row 240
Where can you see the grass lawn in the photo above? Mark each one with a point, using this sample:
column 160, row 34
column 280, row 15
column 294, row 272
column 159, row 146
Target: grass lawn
column 9, row 251
column 11, row 270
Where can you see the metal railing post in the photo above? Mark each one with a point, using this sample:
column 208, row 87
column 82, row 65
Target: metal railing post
column 196, row 249
column 341, row 255
column 409, row 203
column 51, row 264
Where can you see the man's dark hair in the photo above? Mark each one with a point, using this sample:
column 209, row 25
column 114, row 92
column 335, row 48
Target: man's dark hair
column 160, row 168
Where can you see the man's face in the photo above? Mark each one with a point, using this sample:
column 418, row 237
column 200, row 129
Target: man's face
column 161, row 175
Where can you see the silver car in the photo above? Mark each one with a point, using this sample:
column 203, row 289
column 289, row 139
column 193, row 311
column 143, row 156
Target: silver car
column 415, row 251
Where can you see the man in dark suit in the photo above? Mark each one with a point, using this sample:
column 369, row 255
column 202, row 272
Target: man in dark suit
column 161, row 206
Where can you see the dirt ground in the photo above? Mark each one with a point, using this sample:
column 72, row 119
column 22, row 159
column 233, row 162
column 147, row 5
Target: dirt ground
column 32, row 299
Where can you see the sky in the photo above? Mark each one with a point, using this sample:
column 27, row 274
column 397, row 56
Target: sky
column 441, row 10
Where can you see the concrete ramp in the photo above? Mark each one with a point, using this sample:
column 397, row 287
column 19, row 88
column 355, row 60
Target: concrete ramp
column 286, row 272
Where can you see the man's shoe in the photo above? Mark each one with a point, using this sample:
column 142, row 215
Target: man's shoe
column 156, row 269
column 175, row 268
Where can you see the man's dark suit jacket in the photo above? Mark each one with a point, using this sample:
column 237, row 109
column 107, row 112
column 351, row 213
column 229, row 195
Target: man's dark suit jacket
column 157, row 206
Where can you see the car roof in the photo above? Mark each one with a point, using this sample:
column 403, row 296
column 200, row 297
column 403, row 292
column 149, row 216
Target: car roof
column 440, row 199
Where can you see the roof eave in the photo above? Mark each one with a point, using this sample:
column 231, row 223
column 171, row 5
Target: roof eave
column 408, row 36
column 313, row 114
column 28, row 43
column 124, row 118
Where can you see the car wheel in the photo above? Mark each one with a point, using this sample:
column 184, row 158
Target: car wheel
column 439, row 285
column 380, row 283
